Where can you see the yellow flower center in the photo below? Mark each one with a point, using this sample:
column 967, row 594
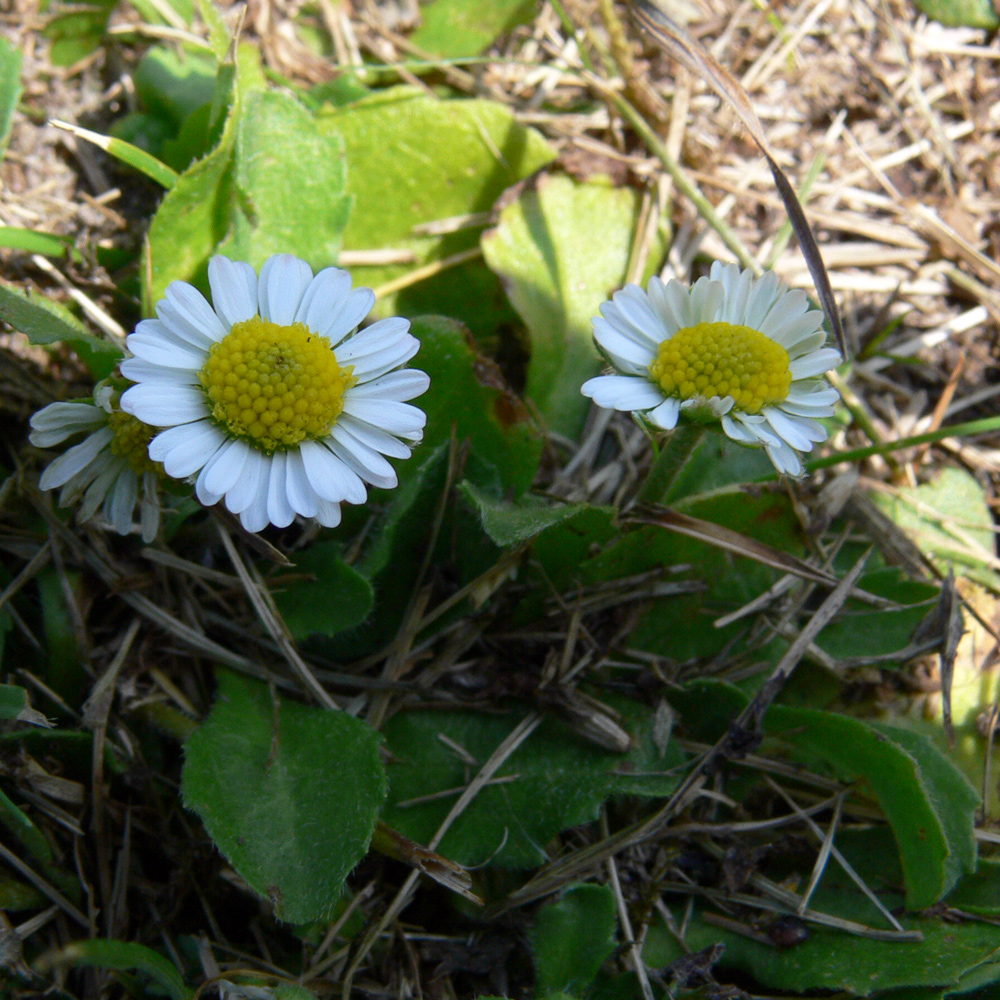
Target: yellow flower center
column 721, row 359
column 275, row 386
column 130, row 441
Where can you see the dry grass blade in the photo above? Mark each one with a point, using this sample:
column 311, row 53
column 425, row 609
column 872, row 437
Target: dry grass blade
column 260, row 598
column 742, row 545
column 690, row 54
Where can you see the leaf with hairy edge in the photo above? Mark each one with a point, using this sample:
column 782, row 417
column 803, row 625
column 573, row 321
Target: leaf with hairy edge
column 43, row 321
column 915, row 788
column 553, row 781
column 334, row 597
column 510, row 524
column 289, row 181
column 258, row 772
column 571, row 938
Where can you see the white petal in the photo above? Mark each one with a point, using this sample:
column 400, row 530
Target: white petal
column 822, row 395
column 707, row 298
column 170, row 353
column 808, row 344
column 323, row 298
column 369, row 465
column 399, row 385
column 301, row 495
column 221, row 472
column 183, row 450
column 799, row 433
column 738, row 432
column 97, row 492
column 328, row 514
column 396, row 418
column 147, row 373
column 765, row 292
column 251, row 484
column 77, row 458
column 254, row 518
column 185, row 313
column 120, row 503
column 373, row 356
column 814, row 364
column 672, row 303
column 283, row 282
column 785, row 458
column 665, row 415
column 234, row 290
column 58, row 421
column 626, row 353
column 330, row 477
column 623, row 392
column 149, row 510
column 165, row 405
column 371, row 437
column 279, row 510
column 358, row 305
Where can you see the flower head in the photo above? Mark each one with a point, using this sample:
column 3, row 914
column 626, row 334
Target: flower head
column 271, row 396
column 743, row 350
column 109, row 469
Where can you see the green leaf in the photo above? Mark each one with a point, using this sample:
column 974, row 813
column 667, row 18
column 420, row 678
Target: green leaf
column 10, row 89
column 951, row 795
column 289, row 182
column 336, row 597
column 979, row 893
column 557, row 274
column 413, row 159
column 47, row 244
column 467, row 395
column 453, row 28
column 915, row 789
column 122, row 956
column 554, row 780
column 695, row 460
column 194, row 216
column 14, row 704
column 218, row 34
column 829, row 960
column 572, row 937
column 76, row 29
column 861, row 630
column 255, row 773
column 43, row 321
column 948, row 518
column 962, row 13
column 18, row 825
column 510, row 524
column 172, row 83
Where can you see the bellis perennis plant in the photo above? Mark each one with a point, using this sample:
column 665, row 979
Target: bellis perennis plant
column 270, row 398
column 742, row 350
column 110, row 470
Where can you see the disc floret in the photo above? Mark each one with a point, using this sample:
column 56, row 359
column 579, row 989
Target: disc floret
column 723, row 359
column 275, row 386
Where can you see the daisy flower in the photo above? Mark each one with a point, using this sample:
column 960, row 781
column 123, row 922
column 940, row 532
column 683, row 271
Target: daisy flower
column 271, row 397
column 109, row 469
column 742, row 350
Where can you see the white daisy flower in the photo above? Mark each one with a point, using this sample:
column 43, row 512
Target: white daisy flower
column 743, row 350
column 109, row 469
column 270, row 396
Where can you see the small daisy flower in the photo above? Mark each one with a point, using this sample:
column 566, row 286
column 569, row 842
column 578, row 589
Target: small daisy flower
column 109, row 469
column 271, row 396
column 743, row 350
